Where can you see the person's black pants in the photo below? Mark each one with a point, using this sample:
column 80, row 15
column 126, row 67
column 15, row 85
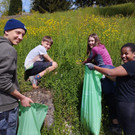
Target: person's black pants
column 126, row 117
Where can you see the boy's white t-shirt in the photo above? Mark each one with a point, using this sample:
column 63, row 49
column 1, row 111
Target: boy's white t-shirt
column 35, row 55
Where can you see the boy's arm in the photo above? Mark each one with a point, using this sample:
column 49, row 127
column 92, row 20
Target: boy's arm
column 48, row 58
column 25, row 101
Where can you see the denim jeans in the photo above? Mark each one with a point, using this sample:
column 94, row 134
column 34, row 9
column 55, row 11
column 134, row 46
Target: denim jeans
column 108, row 86
column 8, row 122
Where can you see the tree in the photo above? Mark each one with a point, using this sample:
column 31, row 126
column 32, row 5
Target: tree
column 4, row 6
column 15, row 7
column 87, row 3
column 111, row 2
column 84, row 3
column 50, row 5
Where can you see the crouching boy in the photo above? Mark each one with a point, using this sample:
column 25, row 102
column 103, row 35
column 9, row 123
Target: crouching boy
column 38, row 62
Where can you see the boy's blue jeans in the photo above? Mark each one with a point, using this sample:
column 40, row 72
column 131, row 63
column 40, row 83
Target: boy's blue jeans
column 8, row 122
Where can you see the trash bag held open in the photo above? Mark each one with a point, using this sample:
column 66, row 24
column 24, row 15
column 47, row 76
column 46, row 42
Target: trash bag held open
column 91, row 101
column 31, row 119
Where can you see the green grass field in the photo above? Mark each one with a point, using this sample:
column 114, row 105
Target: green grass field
column 70, row 31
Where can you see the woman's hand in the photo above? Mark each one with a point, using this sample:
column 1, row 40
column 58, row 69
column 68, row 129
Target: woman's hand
column 90, row 66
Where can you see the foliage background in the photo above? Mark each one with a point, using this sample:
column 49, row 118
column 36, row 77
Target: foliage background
column 15, row 7
column 70, row 31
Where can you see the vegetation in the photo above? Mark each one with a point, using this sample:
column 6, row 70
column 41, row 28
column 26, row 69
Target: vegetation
column 87, row 3
column 43, row 6
column 4, row 6
column 50, row 5
column 70, row 31
column 15, row 7
column 121, row 9
column 11, row 7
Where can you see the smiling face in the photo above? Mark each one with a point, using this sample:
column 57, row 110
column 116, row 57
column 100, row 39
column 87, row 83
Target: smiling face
column 46, row 44
column 91, row 42
column 127, row 54
column 15, row 36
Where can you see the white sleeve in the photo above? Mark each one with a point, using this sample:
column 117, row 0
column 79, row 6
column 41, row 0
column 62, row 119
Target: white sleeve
column 42, row 50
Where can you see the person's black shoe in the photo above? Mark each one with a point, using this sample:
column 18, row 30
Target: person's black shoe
column 115, row 128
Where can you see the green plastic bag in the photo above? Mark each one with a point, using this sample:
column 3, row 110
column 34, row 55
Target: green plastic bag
column 31, row 119
column 91, row 101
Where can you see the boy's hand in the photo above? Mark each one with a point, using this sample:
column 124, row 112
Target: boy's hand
column 26, row 102
column 90, row 66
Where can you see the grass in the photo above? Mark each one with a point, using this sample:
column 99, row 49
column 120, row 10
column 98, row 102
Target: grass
column 70, row 31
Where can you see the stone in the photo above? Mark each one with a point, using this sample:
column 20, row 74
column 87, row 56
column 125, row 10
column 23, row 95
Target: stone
column 43, row 96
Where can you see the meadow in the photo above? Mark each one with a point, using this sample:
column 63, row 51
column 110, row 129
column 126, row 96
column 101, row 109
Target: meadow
column 70, row 31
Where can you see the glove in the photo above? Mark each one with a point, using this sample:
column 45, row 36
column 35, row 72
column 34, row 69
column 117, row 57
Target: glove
column 90, row 66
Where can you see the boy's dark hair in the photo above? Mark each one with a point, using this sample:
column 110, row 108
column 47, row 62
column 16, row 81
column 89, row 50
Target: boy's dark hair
column 48, row 39
column 130, row 45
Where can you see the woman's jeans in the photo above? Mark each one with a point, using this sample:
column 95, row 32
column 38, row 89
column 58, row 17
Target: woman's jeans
column 108, row 88
column 8, row 122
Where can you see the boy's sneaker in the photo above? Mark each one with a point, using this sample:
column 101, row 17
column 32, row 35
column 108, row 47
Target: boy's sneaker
column 115, row 128
column 34, row 82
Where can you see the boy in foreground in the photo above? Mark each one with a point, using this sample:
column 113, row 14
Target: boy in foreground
column 14, row 32
column 38, row 62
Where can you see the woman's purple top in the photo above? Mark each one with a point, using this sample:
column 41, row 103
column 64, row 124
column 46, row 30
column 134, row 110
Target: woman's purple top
column 100, row 56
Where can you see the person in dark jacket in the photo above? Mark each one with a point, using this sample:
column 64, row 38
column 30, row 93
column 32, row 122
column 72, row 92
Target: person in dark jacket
column 14, row 31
